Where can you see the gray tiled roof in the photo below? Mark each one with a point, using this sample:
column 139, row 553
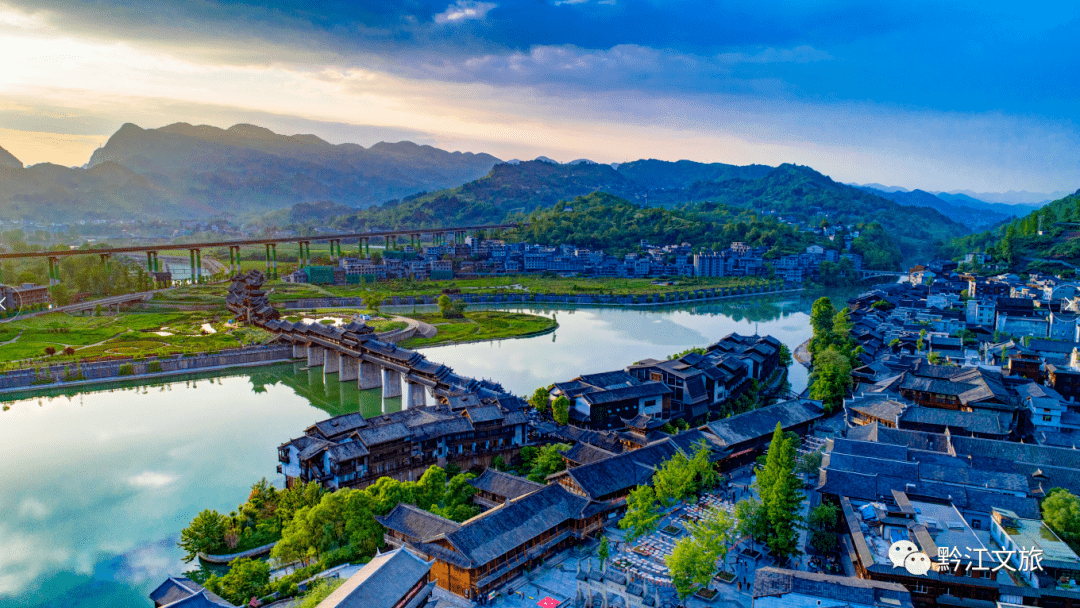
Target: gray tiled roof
column 504, row 484
column 416, row 523
column 981, row 422
column 181, row 591
column 761, row 422
column 512, row 524
column 380, row 583
column 622, row 471
column 584, row 453
column 640, row 391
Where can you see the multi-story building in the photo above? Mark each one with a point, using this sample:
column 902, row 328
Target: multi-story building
column 351, row 451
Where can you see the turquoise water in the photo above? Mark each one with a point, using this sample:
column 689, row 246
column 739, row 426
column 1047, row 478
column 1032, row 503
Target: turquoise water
column 97, row 484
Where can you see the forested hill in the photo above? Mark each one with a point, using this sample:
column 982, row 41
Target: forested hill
column 977, row 219
column 604, row 221
column 1020, row 245
column 802, row 194
column 794, row 192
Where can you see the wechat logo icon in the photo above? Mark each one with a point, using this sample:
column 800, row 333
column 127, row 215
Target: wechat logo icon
column 906, row 554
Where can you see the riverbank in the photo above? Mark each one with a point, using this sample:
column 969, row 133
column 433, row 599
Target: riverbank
column 802, row 354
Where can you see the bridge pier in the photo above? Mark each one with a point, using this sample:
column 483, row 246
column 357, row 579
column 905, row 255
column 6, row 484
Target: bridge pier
column 315, row 355
column 391, row 383
column 370, row 376
column 350, row 368
column 299, row 351
column 416, row 396
column 273, row 250
column 331, row 362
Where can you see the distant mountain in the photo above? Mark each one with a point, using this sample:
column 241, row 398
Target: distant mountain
column 7, row 159
column 544, row 159
column 1008, row 209
column 882, row 188
column 1013, row 197
column 975, row 218
column 184, row 171
column 789, row 190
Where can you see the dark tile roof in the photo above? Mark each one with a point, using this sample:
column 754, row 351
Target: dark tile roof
column 339, row 425
column 981, row 422
column 504, row 484
column 384, row 433
column 584, row 453
column 761, row 422
column 622, row 471
column 178, row 589
column 639, row 391
column 380, row 583
column 416, row 523
column 845, row 590
column 485, row 413
column 605, row 379
column 877, row 405
column 512, row 524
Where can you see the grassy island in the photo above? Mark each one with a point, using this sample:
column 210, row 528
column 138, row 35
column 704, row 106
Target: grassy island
column 478, row 326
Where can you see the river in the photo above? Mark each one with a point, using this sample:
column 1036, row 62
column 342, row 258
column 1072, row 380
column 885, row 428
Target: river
column 98, row 483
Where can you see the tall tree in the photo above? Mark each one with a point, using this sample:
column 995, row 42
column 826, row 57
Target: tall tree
column 822, row 316
column 205, row 534
column 690, row 567
column 781, row 496
column 831, row 378
column 642, row 513
column 674, row 480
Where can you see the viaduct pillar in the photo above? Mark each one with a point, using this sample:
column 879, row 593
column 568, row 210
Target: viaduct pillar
column 416, row 395
column 391, row 383
column 273, row 251
column 299, row 351
column 349, row 369
column 370, row 376
column 331, row 362
column 315, row 355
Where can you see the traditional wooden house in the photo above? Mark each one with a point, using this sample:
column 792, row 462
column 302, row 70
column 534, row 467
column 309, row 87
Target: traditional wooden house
column 478, row 556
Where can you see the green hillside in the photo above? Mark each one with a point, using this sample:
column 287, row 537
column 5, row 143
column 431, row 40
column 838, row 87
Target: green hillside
column 1020, row 244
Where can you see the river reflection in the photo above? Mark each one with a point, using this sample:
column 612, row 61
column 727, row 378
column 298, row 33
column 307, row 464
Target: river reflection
column 98, row 483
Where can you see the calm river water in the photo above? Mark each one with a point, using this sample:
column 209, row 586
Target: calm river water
column 98, row 483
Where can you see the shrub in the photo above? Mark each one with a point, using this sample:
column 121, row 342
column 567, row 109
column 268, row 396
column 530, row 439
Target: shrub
column 126, row 369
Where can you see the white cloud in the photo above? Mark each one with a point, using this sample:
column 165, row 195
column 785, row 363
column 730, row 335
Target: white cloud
column 150, row 479
column 33, row 509
column 464, row 10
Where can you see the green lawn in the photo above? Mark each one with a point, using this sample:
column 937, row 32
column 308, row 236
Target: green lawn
column 128, row 334
column 380, row 324
column 479, row 325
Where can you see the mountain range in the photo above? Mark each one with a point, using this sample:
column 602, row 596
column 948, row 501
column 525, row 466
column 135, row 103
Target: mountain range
column 185, row 171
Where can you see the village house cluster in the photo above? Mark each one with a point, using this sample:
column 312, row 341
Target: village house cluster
column 475, row 257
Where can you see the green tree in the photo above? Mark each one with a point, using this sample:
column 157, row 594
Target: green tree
column 751, row 519
column 822, row 524
column 642, row 513
column 781, row 496
column 446, row 306
column 1061, row 511
column 205, row 534
column 690, row 567
column 673, row 480
column 822, row 317
column 809, row 464
column 246, row 579
column 831, row 378
column 785, row 355
column 540, row 399
column 372, row 300
column 560, row 410
column 319, row 591
column 604, row 552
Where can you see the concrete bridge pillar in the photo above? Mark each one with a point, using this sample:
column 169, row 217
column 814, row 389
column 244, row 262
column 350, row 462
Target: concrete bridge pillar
column 198, row 266
column 370, row 376
column 416, row 395
column 391, row 383
column 331, row 362
column 299, row 351
column 106, row 260
column 350, row 368
column 273, row 252
column 315, row 355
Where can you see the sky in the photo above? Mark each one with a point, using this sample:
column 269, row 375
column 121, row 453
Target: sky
column 981, row 95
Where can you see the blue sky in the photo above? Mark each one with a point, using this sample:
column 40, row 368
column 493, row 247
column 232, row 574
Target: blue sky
column 937, row 95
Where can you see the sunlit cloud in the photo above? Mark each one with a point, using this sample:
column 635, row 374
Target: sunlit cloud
column 464, row 10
